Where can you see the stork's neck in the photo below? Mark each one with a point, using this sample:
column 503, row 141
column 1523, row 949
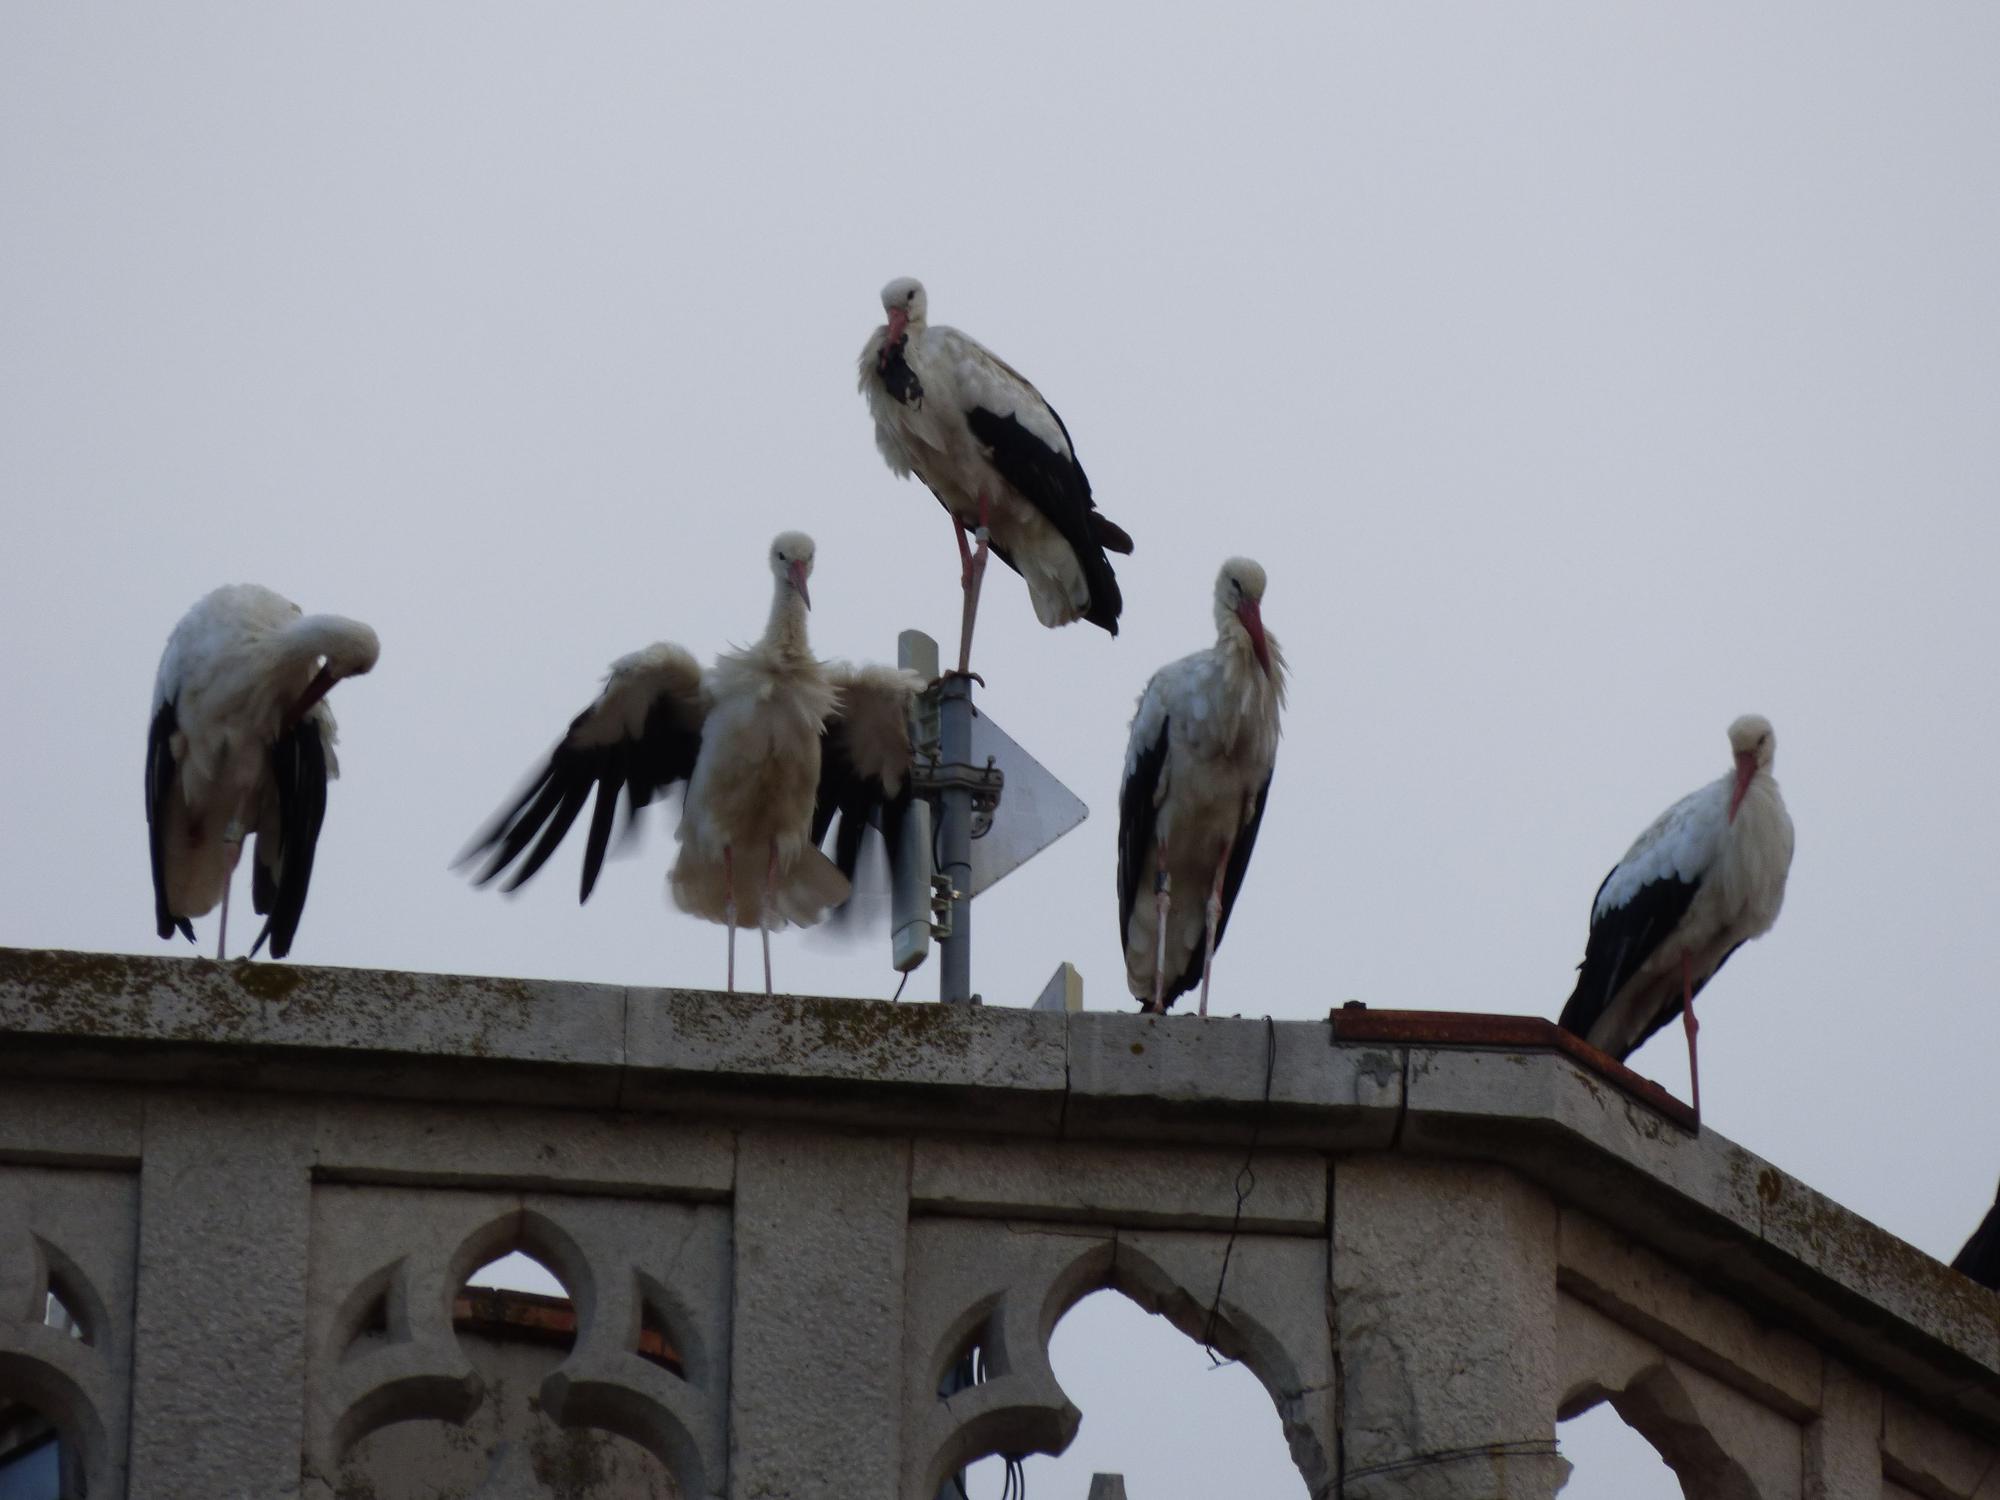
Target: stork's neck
column 1239, row 660
column 350, row 647
column 785, row 634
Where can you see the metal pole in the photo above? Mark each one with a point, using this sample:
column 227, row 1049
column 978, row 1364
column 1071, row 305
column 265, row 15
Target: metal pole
column 955, row 838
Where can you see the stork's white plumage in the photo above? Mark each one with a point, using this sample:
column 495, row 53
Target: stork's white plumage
column 1197, row 773
column 747, row 738
column 242, row 742
column 1706, row 878
column 997, row 456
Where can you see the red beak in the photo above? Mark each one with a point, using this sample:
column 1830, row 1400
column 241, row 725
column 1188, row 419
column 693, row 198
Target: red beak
column 1746, row 768
column 899, row 319
column 797, row 573
column 317, row 689
column 1253, row 621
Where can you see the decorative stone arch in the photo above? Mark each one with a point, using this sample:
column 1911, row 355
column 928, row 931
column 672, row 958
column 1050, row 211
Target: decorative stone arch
column 1717, row 1441
column 1004, row 1287
column 78, row 1383
column 40, row 1378
column 419, row 1371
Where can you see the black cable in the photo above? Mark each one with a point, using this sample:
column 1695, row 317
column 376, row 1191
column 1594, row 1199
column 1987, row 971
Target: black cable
column 1246, row 1184
column 1518, row 1448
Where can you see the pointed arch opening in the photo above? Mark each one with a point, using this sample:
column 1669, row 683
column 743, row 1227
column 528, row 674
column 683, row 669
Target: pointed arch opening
column 519, row 1302
column 1155, row 1408
column 1612, row 1460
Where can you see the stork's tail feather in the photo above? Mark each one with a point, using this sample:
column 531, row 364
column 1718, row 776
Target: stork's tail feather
column 807, row 891
column 1108, row 534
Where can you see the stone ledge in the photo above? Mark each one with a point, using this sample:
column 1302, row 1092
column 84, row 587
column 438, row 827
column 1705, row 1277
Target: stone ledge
column 72, row 1023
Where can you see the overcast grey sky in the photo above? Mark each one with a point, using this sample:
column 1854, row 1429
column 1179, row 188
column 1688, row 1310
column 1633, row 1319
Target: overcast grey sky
column 1585, row 375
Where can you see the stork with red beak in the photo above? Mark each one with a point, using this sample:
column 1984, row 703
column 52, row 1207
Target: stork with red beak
column 242, row 744
column 1707, row 877
column 1197, row 773
column 999, row 460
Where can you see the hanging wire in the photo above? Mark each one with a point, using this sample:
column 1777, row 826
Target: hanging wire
column 970, row 1371
column 899, row 987
column 1246, row 1183
column 1518, row 1448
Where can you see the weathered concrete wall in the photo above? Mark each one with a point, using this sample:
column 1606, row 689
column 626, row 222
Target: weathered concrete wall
column 262, row 1185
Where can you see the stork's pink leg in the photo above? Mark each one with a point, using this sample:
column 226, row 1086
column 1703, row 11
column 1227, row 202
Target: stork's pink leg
column 1162, row 904
column 1214, row 917
column 235, row 848
column 729, row 908
column 974, row 576
column 764, row 917
column 1691, row 1025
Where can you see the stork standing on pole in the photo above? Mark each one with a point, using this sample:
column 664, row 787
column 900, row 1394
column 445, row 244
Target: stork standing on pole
column 999, row 460
column 241, row 743
column 1197, row 773
column 1706, row 878
column 746, row 737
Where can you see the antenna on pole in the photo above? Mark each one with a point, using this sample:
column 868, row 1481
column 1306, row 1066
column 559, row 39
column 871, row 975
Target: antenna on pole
column 954, row 844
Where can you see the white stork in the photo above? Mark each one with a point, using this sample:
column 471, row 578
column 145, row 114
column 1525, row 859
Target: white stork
column 997, row 457
column 747, row 738
column 1707, row 877
column 1197, row 773
column 1980, row 1259
column 242, row 742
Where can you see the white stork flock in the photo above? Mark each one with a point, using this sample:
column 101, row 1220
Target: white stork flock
column 997, row 457
column 1707, row 877
column 242, row 742
column 1197, row 774
column 747, row 737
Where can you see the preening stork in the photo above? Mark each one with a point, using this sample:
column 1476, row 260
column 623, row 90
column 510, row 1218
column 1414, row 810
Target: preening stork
column 1980, row 1259
column 242, row 742
column 747, row 738
column 1197, row 774
column 1707, row 877
column 997, row 457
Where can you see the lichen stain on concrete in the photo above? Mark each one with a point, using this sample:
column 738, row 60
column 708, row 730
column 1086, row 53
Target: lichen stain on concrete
column 1770, row 1186
column 1646, row 1122
column 196, row 999
column 1380, row 1068
column 572, row 1465
column 1875, row 1261
column 1138, row 1049
column 267, row 981
column 798, row 1031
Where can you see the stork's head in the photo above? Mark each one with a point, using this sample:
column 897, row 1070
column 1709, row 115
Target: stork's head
column 1239, row 606
column 1753, row 743
column 343, row 647
column 904, row 304
column 792, row 562
column 353, row 650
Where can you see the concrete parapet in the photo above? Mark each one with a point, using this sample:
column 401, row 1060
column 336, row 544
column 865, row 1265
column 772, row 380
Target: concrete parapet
column 857, row 1224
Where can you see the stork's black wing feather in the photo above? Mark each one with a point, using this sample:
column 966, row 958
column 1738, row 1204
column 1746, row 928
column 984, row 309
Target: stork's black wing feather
column 592, row 756
column 866, row 748
column 1622, row 939
column 160, row 772
column 1055, row 484
column 857, row 801
column 1980, row 1259
column 1136, row 813
column 298, row 772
